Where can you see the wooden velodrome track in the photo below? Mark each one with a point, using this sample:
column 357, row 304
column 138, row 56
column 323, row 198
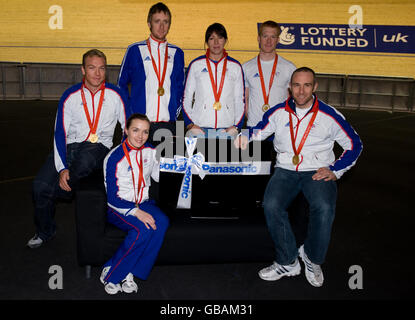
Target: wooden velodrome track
column 27, row 31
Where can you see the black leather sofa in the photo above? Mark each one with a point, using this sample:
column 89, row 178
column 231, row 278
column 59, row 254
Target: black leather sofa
column 225, row 223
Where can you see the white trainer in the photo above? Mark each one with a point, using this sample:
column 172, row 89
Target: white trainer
column 313, row 272
column 111, row 288
column 277, row 271
column 128, row 284
column 35, row 242
column 104, row 274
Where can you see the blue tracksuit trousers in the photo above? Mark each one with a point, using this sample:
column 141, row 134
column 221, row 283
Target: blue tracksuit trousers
column 138, row 253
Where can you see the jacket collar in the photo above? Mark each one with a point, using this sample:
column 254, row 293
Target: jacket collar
column 130, row 147
column 291, row 107
column 156, row 42
column 225, row 54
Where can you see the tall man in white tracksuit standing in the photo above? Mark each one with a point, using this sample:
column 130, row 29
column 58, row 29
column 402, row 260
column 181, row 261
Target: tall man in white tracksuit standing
column 267, row 76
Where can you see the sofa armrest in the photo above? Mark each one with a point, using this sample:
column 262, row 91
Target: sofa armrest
column 90, row 217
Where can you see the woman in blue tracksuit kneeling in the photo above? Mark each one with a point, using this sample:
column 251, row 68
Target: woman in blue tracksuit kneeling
column 127, row 172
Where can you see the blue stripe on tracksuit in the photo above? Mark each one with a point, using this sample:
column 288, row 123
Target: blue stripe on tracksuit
column 60, row 134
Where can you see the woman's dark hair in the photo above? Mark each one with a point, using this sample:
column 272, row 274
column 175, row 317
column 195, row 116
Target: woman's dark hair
column 136, row 116
column 217, row 28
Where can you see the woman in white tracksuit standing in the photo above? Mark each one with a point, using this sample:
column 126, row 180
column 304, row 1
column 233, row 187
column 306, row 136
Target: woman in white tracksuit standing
column 214, row 94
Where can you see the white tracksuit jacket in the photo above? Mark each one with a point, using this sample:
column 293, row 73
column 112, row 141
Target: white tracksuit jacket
column 198, row 87
column 71, row 124
column 279, row 89
column 121, row 193
column 329, row 126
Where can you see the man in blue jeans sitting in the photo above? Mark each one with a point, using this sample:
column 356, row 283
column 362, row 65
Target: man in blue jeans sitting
column 305, row 131
column 84, row 127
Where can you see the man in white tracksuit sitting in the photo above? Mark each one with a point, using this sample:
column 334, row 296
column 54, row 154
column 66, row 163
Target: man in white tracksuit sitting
column 305, row 130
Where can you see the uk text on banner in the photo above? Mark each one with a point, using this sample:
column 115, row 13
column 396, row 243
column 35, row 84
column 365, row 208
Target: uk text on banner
column 342, row 37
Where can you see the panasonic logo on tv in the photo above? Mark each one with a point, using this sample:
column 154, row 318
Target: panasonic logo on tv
column 230, row 168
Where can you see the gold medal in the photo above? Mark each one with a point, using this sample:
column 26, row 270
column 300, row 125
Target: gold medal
column 297, row 151
column 217, row 93
column 217, row 106
column 296, row 159
column 265, row 107
column 160, row 74
column 93, row 138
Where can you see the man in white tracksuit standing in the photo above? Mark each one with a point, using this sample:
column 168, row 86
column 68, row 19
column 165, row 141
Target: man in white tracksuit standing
column 152, row 74
column 267, row 76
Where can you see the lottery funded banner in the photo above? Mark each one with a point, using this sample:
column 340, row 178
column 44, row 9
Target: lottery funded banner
column 341, row 37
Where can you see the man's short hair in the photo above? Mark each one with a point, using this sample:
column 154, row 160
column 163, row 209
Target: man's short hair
column 270, row 24
column 156, row 8
column 303, row 69
column 93, row 53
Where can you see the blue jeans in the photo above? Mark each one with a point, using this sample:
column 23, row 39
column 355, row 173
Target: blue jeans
column 82, row 158
column 321, row 195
